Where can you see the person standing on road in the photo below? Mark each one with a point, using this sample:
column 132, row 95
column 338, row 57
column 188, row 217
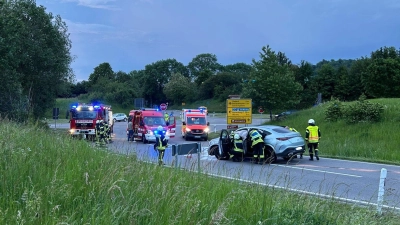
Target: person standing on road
column 101, row 133
column 257, row 144
column 166, row 118
column 313, row 134
column 130, row 130
column 160, row 145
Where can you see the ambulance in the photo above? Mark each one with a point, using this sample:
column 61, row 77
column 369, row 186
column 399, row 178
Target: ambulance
column 194, row 124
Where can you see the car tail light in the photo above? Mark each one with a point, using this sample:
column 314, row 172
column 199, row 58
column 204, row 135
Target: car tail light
column 283, row 138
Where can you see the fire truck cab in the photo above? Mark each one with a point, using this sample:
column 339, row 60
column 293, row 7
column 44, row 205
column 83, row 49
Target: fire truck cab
column 194, row 124
column 145, row 124
column 83, row 117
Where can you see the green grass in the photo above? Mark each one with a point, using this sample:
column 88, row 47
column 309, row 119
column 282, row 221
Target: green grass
column 51, row 179
column 375, row 142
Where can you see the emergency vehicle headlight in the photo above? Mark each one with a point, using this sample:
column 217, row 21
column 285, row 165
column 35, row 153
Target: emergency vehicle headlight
column 187, row 129
column 206, row 130
column 299, row 148
column 150, row 132
column 79, row 108
column 91, row 108
column 72, row 131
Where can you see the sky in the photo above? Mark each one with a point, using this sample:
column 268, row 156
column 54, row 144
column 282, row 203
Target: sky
column 129, row 34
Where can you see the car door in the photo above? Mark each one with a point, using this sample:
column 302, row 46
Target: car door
column 224, row 145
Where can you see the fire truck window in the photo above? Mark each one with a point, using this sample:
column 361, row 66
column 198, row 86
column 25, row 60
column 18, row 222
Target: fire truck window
column 197, row 120
column 84, row 115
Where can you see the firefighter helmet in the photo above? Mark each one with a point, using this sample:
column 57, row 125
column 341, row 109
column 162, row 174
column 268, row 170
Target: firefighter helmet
column 237, row 137
column 311, row 121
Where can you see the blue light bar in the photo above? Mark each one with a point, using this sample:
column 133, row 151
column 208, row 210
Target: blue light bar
column 96, row 106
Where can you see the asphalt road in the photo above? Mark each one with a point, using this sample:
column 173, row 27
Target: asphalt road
column 351, row 181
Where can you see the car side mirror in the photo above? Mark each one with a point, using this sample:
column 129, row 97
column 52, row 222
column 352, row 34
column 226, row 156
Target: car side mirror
column 183, row 123
column 208, row 123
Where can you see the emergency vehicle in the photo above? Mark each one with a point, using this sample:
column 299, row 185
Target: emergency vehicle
column 146, row 121
column 83, row 117
column 194, row 124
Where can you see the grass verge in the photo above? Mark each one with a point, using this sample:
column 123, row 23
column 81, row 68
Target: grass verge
column 52, row 179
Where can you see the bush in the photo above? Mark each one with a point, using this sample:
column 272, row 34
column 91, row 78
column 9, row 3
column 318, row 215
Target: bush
column 334, row 111
column 363, row 111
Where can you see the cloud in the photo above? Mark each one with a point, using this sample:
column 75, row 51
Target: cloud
column 97, row 4
column 106, row 32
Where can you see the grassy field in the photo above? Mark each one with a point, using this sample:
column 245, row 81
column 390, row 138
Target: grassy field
column 375, row 142
column 51, row 179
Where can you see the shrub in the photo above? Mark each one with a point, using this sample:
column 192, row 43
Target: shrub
column 334, row 111
column 363, row 111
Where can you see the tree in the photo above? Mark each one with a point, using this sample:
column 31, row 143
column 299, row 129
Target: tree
column 203, row 66
column 382, row 79
column 304, row 76
column 101, row 72
column 272, row 83
column 220, row 86
column 242, row 69
column 179, row 89
column 36, row 58
column 157, row 75
column 343, row 88
column 325, row 81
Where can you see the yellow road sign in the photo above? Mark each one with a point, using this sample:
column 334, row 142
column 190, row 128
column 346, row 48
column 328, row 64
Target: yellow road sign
column 238, row 111
column 238, row 103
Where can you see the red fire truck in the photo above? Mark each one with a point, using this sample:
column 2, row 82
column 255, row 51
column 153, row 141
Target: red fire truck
column 83, row 117
column 147, row 120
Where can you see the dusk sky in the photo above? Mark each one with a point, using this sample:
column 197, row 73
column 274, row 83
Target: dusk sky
column 130, row 34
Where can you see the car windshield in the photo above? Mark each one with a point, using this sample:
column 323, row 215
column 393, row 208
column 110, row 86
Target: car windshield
column 84, row 115
column 196, row 121
column 152, row 120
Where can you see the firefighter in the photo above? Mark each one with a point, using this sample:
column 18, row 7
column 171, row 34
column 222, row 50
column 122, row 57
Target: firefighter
column 313, row 134
column 100, row 132
column 160, row 145
column 257, row 144
column 109, row 140
column 237, row 151
column 166, row 118
column 106, row 133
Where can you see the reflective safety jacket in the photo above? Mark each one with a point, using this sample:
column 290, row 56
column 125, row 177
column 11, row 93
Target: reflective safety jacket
column 237, row 145
column 161, row 143
column 166, row 117
column 313, row 134
column 255, row 137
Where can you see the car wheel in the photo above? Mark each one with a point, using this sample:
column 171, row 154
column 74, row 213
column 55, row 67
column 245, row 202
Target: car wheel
column 125, row 119
column 270, row 155
column 213, row 150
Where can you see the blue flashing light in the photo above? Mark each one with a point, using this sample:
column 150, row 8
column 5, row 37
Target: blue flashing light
column 96, row 106
column 74, row 106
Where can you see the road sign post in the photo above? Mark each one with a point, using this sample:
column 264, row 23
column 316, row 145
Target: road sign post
column 163, row 106
column 238, row 111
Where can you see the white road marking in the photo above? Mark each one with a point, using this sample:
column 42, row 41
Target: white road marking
column 321, row 171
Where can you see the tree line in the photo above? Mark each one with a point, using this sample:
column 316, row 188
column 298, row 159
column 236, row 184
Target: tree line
column 35, row 69
column 272, row 80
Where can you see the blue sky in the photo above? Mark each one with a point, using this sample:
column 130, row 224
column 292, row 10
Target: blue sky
column 130, row 34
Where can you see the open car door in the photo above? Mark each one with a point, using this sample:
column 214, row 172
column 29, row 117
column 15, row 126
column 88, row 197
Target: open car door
column 224, row 145
column 172, row 126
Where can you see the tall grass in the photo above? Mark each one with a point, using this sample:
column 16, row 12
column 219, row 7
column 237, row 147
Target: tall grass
column 48, row 178
column 378, row 142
